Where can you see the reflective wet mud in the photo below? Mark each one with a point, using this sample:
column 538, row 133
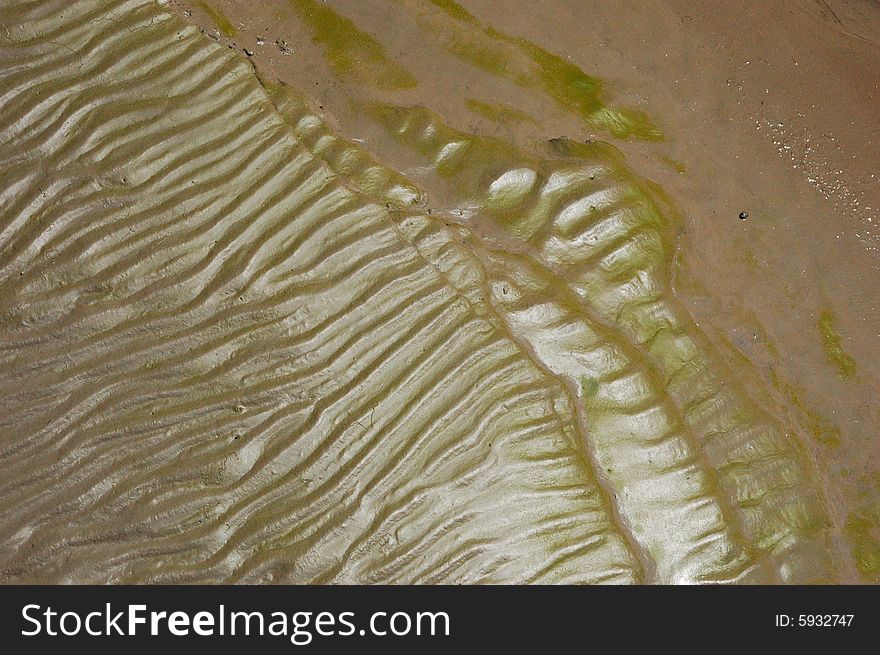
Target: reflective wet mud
column 404, row 291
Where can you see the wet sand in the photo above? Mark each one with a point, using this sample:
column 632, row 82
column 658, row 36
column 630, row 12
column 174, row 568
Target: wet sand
column 768, row 111
column 725, row 254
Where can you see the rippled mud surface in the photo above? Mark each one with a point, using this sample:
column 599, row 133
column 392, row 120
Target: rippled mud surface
column 419, row 291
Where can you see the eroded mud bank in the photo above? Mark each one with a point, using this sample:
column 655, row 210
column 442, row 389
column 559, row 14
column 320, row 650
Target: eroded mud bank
column 427, row 291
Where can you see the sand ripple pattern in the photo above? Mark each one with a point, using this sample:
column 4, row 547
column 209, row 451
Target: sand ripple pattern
column 233, row 349
column 219, row 363
column 709, row 484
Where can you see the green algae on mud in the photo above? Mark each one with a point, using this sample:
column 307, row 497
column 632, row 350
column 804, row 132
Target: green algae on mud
column 529, row 65
column 500, row 114
column 674, row 164
column 351, row 52
column 591, row 386
column 863, row 530
column 832, row 342
column 455, row 10
column 220, row 21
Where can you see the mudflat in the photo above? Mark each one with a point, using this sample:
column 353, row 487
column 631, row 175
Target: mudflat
column 429, row 291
